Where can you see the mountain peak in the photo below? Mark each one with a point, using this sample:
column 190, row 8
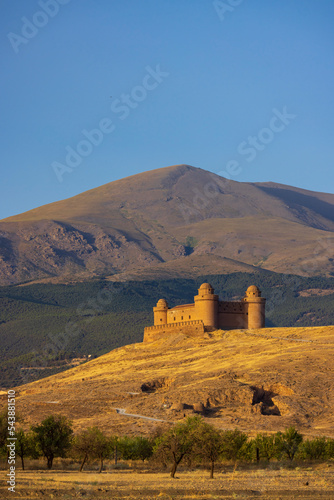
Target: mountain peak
column 177, row 219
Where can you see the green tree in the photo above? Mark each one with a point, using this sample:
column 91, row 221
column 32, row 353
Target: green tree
column 314, row 449
column 3, row 431
column 177, row 443
column 268, row 446
column 53, row 437
column 135, row 448
column 247, row 451
column 208, row 445
column 82, row 446
column 330, row 448
column 103, row 447
column 125, row 447
column 26, row 445
column 290, row 441
column 92, row 443
column 233, row 443
column 143, row 448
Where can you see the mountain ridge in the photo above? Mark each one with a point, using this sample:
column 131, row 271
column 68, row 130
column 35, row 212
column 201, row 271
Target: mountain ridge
column 161, row 216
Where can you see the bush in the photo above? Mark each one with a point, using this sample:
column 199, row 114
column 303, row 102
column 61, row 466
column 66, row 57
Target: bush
column 314, row 449
column 135, row 448
column 268, row 446
column 288, row 442
column 233, row 442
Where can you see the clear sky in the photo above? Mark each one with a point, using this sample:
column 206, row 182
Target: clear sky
column 166, row 82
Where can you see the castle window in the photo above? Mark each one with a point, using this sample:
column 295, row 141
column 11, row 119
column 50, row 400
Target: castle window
column 189, row 317
column 181, row 317
column 160, row 319
column 174, row 318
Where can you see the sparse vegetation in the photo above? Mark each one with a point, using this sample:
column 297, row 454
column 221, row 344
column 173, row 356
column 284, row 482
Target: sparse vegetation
column 192, row 444
column 190, row 244
column 192, row 440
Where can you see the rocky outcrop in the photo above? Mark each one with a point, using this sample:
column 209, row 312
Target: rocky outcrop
column 51, row 248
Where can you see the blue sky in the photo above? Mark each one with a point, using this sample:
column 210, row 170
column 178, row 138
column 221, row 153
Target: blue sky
column 192, row 81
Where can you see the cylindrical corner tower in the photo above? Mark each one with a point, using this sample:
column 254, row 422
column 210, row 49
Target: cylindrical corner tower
column 206, row 306
column 160, row 312
column 255, row 307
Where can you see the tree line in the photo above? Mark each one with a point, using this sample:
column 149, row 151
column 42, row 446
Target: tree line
column 190, row 441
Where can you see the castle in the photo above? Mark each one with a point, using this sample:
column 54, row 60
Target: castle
column 208, row 313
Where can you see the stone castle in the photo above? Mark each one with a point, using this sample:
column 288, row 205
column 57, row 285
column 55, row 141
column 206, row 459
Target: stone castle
column 208, row 313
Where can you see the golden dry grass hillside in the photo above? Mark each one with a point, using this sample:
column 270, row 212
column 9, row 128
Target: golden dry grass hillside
column 256, row 380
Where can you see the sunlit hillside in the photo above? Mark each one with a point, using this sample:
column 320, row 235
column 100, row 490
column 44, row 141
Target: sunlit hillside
column 251, row 379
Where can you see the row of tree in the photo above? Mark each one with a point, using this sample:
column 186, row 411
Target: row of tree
column 196, row 440
column 191, row 440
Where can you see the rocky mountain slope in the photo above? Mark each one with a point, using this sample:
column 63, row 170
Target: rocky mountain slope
column 256, row 380
column 171, row 220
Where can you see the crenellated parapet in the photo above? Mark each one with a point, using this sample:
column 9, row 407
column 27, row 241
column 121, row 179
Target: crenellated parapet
column 193, row 328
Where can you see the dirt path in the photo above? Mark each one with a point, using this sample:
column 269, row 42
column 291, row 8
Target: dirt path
column 122, row 411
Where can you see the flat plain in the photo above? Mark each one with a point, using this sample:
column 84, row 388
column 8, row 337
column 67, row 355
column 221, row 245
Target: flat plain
column 188, row 485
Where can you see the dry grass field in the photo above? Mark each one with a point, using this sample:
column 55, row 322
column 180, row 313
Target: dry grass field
column 255, row 380
column 234, row 484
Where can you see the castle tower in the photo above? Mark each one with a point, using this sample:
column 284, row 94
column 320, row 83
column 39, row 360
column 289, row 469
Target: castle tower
column 206, row 306
column 255, row 305
column 160, row 312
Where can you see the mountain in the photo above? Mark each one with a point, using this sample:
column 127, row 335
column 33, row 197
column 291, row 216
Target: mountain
column 256, row 380
column 173, row 221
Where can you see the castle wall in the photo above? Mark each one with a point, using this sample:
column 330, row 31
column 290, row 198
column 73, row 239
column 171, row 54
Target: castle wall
column 182, row 313
column 232, row 315
column 190, row 328
column 229, row 321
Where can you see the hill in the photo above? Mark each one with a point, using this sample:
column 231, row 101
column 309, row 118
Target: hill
column 168, row 221
column 44, row 328
column 262, row 380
